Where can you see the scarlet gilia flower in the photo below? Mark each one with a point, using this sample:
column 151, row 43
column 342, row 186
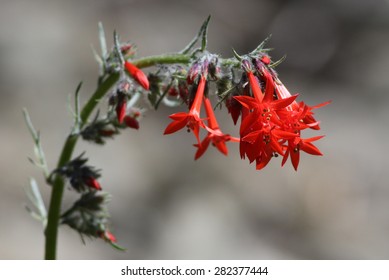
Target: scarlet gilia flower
column 191, row 119
column 214, row 136
column 272, row 121
column 137, row 74
column 260, row 132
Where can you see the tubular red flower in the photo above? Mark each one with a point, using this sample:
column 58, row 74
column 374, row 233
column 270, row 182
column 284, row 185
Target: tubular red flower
column 137, row 74
column 255, row 88
column 215, row 135
column 294, row 147
column 192, row 119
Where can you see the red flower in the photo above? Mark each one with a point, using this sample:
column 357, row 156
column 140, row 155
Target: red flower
column 137, row 74
column 283, row 92
column 294, row 147
column 215, row 135
column 192, row 119
column 261, row 128
column 93, row 183
column 234, row 108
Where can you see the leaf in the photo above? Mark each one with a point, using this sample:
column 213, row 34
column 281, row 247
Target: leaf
column 196, row 38
column 117, row 47
column 278, row 62
column 103, row 41
column 77, row 117
column 37, row 144
column 117, row 247
column 261, row 45
column 35, row 198
column 100, row 61
column 204, row 37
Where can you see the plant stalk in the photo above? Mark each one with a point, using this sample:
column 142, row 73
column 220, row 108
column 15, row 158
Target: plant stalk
column 54, row 212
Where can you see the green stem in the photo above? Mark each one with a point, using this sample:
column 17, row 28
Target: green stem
column 54, row 213
column 161, row 59
column 59, row 183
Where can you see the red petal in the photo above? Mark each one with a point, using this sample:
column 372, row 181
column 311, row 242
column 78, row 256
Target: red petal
column 255, row 88
column 179, row 116
column 202, row 147
column 285, row 158
column 121, row 110
column 295, row 157
column 283, row 134
column 175, row 126
column 251, row 137
column 247, row 101
column 282, row 103
column 222, row 147
column 310, row 149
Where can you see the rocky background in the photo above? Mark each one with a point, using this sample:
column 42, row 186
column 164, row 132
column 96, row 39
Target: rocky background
column 164, row 204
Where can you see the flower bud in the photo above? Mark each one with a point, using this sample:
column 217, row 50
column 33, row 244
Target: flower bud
column 121, row 107
column 137, row 74
column 93, row 183
column 131, row 122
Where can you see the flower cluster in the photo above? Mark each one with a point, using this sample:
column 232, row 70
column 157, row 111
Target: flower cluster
column 88, row 215
column 272, row 120
column 198, row 79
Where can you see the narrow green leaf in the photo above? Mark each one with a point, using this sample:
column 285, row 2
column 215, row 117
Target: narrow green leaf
column 29, row 124
column 77, row 117
column 117, row 47
column 278, row 62
column 261, row 45
column 117, row 247
column 163, row 94
column 103, row 41
column 205, row 31
column 35, row 197
column 37, row 144
column 100, row 61
column 237, row 56
column 196, row 38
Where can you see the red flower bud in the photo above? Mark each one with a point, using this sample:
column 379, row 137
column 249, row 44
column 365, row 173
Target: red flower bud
column 265, row 59
column 93, row 183
column 106, row 132
column 137, row 74
column 121, row 108
column 107, row 236
column 131, row 122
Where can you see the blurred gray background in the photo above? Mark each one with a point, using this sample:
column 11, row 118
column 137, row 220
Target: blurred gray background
column 164, row 204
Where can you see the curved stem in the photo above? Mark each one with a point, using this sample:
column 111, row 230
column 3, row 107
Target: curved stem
column 54, row 213
column 161, row 59
column 59, row 183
